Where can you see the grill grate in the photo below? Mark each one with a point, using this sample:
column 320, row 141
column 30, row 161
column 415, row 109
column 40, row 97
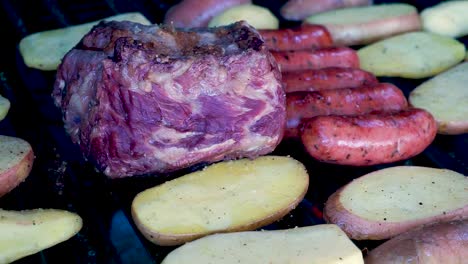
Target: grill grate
column 61, row 178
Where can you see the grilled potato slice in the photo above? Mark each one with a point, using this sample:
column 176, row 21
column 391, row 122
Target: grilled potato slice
column 16, row 160
column 24, row 233
column 446, row 97
column 228, row 196
column 45, row 50
column 324, row 244
column 412, row 55
column 388, row 202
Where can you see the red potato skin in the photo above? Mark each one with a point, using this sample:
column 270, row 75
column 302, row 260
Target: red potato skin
column 382, row 97
column 327, row 79
column 304, row 37
column 363, row 229
column 198, row 13
column 369, row 139
column 435, row 243
column 15, row 175
column 316, row 59
column 301, row 9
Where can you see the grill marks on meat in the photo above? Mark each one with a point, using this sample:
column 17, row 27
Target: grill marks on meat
column 144, row 99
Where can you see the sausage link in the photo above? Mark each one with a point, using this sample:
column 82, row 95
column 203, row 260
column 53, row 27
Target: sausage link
column 316, row 59
column 369, row 139
column 301, row 9
column 327, row 79
column 198, row 13
column 346, row 101
column 307, row 36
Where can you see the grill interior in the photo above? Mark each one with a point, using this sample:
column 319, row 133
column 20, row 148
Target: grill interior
column 61, row 178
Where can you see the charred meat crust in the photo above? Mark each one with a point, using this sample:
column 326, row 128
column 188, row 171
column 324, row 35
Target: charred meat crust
column 148, row 99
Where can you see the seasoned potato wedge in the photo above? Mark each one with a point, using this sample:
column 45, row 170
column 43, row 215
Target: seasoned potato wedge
column 16, row 160
column 446, row 98
column 4, row 107
column 363, row 25
column 437, row 243
column 257, row 16
column 387, row 202
column 45, row 50
column 24, row 233
column 228, row 196
column 448, row 18
column 412, row 55
column 324, row 244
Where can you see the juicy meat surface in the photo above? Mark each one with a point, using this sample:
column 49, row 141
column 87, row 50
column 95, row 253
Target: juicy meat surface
column 147, row 99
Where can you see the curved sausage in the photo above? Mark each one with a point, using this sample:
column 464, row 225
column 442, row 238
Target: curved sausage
column 327, row 79
column 347, row 101
column 301, row 9
column 316, row 59
column 307, row 36
column 369, row 139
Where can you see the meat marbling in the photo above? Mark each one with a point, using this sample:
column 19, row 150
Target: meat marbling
column 148, row 99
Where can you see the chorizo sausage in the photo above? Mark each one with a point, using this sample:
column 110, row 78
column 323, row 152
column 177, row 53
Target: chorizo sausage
column 347, row 101
column 369, row 139
column 305, row 37
column 316, row 59
column 198, row 13
column 327, row 79
column 301, row 9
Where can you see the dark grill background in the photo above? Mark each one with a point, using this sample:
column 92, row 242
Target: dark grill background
column 61, row 178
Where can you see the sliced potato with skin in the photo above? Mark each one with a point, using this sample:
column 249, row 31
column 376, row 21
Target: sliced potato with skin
column 387, row 202
column 363, row 25
column 448, row 18
column 228, row 196
column 4, row 107
column 435, row 243
column 16, row 160
column 257, row 16
column 45, row 50
column 324, row 244
column 24, row 233
column 446, row 97
column 411, row 55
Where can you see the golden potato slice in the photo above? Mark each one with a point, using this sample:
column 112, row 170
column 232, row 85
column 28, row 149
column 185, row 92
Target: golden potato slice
column 228, row 196
column 4, row 107
column 257, row 16
column 45, row 50
column 16, row 160
column 363, row 25
column 24, row 233
column 387, row 202
column 324, row 244
column 446, row 97
column 448, row 18
column 411, row 55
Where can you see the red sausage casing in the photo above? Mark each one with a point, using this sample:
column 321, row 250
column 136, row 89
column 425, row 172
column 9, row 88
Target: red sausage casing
column 347, row 101
column 369, row 139
column 327, row 79
column 305, row 37
column 316, row 59
column 301, row 9
column 198, row 13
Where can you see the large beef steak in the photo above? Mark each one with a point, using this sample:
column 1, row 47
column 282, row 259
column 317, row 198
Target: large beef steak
column 147, row 99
